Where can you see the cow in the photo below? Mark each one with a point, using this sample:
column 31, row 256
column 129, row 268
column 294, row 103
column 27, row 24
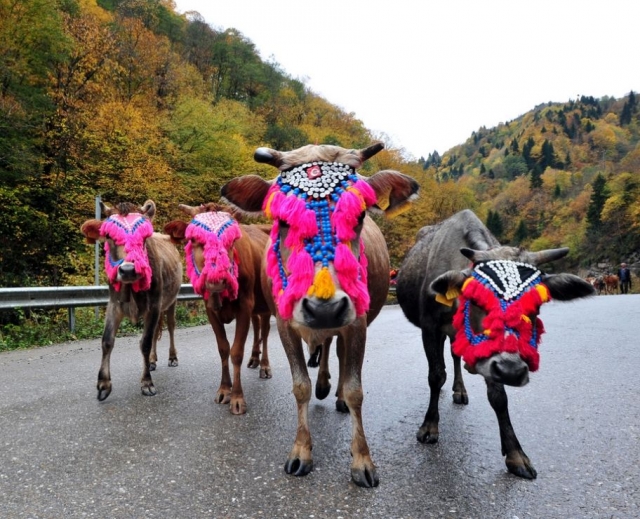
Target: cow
column 144, row 272
column 611, row 282
column 459, row 282
column 223, row 260
column 325, row 270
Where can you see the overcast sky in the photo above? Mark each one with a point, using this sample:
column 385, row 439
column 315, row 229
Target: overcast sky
column 427, row 73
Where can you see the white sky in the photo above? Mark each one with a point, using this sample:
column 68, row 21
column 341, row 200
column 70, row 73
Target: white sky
column 427, row 73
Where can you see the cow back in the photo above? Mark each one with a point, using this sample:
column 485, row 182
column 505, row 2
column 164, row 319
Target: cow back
column 436, row 251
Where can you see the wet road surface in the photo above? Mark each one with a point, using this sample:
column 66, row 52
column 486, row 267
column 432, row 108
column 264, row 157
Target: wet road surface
column 180, row 455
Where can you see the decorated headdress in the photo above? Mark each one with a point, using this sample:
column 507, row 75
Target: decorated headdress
column 129, row 231
column 509, row 292
column 216, row 231
column 322, row 203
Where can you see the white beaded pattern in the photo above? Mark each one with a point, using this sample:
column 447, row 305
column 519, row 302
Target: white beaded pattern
column 330, row 175
column 507, row 272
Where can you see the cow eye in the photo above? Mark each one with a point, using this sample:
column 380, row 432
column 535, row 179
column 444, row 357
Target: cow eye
column 360, row 221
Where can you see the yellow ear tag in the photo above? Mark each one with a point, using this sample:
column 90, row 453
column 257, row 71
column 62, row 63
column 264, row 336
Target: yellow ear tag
column 267, row 207
column 443, row 300
column 323, row 286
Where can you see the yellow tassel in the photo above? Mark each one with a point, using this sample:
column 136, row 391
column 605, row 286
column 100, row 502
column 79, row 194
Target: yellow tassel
column 267, row 207
column 323, row 286
column 544, row 292
column 525, row 318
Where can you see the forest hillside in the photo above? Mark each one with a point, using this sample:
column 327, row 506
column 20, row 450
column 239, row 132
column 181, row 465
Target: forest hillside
column 129, row 100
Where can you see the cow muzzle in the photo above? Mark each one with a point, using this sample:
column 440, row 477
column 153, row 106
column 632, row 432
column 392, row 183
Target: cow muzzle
column 320, row 314
column 504, row 368
column 127, row 273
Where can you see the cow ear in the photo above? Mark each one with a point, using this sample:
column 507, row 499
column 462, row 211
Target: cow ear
column 394, row 191
column 91, row 231
column 246, row 193
column 176, row 230
column 565, row 287
column 448, row 286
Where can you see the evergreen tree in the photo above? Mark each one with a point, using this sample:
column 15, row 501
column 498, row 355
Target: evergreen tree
column 521, row 233
column 515, row 147
column 494, row 223
column 535, row 181
column 598, row 198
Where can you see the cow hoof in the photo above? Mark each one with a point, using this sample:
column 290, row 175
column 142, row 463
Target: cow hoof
column 426, row 436
column 222, row 397
column 253, row 363
column 298, row 467
column 173, row 363
column 341, row 406
column 238, row 406
column 521, row 466
column 322, row 392
column 460, row 398
column 314, row 359
column 103, row 394
column 366, row 478
column 265, row 372
column 149, row 390
column 152, row 366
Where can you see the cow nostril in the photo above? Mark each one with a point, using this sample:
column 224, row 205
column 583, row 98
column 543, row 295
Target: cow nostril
column 509, row 373
column 127, row 269
column 342, row 307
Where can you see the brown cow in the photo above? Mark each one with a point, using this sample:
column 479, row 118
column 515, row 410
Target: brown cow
column 144, row 273
column 318, row 279
column 611, row 282
column 223, row 263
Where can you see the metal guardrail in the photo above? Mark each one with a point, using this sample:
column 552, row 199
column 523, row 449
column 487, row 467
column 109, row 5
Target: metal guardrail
column 64, row 297
column 68, row 297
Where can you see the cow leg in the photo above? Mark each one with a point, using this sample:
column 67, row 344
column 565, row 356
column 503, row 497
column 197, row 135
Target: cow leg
column 433, row 344
column 300, row 460
column 265, row 327
column 323, row 386
column 112, row 322
column 171, row 326
column 341, row 406
column 363, row 471
column 243, row 322
column 459, row 391
column 223, row 395
column 517, row 461
column 254, row 360
column 147, row 343
column 153, row 356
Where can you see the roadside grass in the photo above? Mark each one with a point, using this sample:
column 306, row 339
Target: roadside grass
column 29, row 329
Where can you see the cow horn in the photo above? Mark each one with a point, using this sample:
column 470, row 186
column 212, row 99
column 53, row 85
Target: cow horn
column 149, row 209
column 268, row 156
column 370, row 151
column 545, row 256
column 105, row 209
column 474, row 255
column 187, row 209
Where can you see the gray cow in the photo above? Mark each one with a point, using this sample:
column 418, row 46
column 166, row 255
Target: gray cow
column 497, row 329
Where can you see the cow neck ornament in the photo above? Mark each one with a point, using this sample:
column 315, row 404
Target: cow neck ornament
column 217, row 231
column 129, row 231
column 509, row 292
column 321, row 202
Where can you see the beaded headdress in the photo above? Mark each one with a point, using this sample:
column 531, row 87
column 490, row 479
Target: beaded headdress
column 216, row 231
column 130, row 232
column 321, row 202
column 509, row 292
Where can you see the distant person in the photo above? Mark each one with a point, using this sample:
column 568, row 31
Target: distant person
column 624, row 274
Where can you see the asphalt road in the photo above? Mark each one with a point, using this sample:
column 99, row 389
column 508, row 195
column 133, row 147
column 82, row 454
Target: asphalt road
column 180, row 455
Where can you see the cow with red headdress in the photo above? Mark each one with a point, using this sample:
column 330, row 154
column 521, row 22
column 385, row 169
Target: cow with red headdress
column 326, row 269
column 459, row 282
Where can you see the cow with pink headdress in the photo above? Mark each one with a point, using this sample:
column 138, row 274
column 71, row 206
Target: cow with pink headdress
column 326, row 269
column 223, row 260
column 144, row 272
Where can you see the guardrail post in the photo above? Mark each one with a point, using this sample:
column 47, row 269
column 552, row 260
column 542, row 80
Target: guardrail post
column 72, row 319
